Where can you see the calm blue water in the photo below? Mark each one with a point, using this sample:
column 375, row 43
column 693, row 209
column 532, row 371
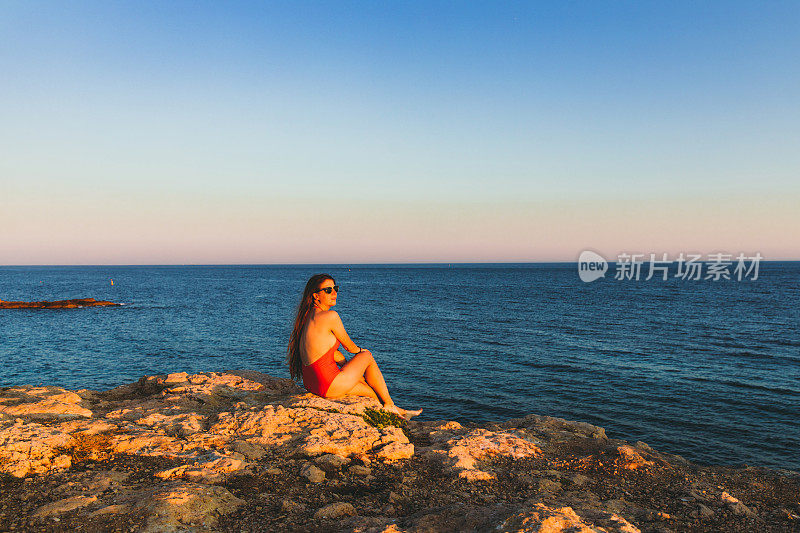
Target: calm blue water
column 709, row 370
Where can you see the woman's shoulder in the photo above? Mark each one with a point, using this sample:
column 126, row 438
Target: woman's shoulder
column 330, row 314
column 324, row 317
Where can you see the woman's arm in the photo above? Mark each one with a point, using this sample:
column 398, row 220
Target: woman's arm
column 341, row 335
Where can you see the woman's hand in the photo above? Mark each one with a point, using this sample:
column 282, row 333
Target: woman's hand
column 338, row 357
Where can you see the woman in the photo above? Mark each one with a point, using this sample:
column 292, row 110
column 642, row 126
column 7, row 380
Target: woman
column 318, row 332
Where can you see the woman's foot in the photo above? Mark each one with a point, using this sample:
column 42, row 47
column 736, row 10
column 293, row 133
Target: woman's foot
column 392, row 408
column 408, row 413
column 402, row 413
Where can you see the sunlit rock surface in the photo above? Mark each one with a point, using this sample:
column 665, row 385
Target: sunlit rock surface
column 246, row 451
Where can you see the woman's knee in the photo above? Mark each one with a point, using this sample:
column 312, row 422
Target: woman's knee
column 365, row 355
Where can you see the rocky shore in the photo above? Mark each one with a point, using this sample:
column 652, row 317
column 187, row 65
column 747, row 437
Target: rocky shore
column 57, row 304
column 243, row 451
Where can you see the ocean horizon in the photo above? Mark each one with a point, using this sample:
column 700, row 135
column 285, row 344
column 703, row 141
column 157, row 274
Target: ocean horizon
column 701, row 368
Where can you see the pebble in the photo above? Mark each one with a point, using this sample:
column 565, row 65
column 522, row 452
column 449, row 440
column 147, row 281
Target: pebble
column 358, row 470
column 736, row 506
column 249, row 450
column 312, row 473
column 704, row 512
column 577, row 479
column 291, row 506
column 616, row 505
column 335, row 510
column 331, row 462
column 546, row 485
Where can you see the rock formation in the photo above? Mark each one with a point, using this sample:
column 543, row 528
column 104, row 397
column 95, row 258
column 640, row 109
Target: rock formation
column 245, row 451
column 57, row 304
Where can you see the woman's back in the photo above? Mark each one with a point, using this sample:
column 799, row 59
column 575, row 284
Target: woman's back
column 317, row 338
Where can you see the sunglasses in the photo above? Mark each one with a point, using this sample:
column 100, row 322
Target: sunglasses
column 328, row 290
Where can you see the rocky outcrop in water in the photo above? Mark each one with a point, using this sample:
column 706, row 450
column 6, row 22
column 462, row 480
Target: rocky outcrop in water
column 244, row 451
column 57, row 304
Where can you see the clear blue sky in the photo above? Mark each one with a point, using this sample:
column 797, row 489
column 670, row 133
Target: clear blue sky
column 172, row 132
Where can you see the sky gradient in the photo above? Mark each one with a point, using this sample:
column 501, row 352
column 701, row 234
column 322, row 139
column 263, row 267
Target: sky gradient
column 350, row 132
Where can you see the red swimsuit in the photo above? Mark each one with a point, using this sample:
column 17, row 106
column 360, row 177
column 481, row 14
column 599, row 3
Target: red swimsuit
column 317, row 376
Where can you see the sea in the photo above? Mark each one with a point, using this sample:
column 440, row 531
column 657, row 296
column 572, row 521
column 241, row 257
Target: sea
column 705, row 368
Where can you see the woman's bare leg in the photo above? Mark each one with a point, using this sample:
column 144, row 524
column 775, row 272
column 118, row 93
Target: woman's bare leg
column 363, row 389
column 362, row 365
column 351, row 381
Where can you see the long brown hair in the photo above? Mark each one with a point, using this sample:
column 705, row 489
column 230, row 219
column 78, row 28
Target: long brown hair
column 300, row 321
